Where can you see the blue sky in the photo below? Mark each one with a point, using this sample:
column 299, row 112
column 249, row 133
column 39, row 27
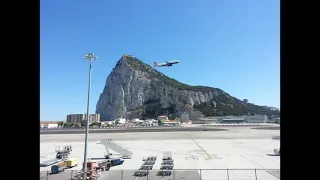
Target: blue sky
column 233, row 45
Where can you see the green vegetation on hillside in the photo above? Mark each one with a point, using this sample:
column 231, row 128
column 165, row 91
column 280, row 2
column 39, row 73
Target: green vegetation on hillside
column 135, row 63
column 232, row 108
column 152, row 109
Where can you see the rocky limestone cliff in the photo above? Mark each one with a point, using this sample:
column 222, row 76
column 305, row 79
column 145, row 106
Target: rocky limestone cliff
column 136, row 90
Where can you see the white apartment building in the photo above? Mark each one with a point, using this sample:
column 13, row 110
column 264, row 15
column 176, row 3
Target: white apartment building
column 77, row 118
column 121, row 121
column 48, row 124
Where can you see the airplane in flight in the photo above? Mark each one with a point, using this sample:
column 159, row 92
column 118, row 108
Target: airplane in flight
column 166, row 63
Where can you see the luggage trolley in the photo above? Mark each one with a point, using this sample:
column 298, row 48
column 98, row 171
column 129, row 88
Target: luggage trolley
column 167, row 162
column 167, row 155
column 150, row 158
column 141, row 173
column 164, row 173
column 146, row 167
column 149, row 162
column 166, row 167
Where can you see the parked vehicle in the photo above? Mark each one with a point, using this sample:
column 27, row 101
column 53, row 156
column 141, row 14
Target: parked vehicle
column 57, row 168
column 115, row 162
column 72, row 162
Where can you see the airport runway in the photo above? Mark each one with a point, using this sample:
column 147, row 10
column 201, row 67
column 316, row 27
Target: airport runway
column 154, row 129
column 123, row 130
column 267, row 128
column 229, row 133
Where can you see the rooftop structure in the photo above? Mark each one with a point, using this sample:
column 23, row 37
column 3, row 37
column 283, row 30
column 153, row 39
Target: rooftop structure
column 162, row 118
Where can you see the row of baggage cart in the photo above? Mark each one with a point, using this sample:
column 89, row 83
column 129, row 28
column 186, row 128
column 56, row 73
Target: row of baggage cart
column 166, row 165
column 147, row 165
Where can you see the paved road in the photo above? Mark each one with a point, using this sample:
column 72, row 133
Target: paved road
column 66, row 175
column 231, row 133
column 119, row 130
column 176, row 175
column 157, row 129
column 268, row 128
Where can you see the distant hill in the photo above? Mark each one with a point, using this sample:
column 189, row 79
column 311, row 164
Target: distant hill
column 136, row 90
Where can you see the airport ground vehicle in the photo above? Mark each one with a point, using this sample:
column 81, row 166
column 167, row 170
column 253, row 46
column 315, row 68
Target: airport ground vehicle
column 277, row 152
column 115, row 162
column 72, row 162
column 57, row 168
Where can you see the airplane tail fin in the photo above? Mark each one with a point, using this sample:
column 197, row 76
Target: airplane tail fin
column 155, row 64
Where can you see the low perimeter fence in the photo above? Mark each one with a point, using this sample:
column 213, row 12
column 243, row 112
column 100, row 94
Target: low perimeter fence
column 174, row 174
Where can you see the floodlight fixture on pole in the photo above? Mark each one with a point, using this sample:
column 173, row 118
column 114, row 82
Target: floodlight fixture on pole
column 90, row 57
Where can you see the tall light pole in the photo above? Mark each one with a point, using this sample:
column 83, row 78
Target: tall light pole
column 89, row 57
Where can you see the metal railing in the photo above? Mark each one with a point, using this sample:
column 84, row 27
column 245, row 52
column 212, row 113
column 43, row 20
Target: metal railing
column 176, row 174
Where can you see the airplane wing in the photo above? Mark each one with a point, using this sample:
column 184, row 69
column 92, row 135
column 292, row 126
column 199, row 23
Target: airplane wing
column 167, row 62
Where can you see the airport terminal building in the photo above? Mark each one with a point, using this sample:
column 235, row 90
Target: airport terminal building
column 244, row 119
column 77, row 118
column 234, row 119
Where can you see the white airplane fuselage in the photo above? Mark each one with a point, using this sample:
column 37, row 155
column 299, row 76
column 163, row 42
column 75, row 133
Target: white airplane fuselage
column 166, row 63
